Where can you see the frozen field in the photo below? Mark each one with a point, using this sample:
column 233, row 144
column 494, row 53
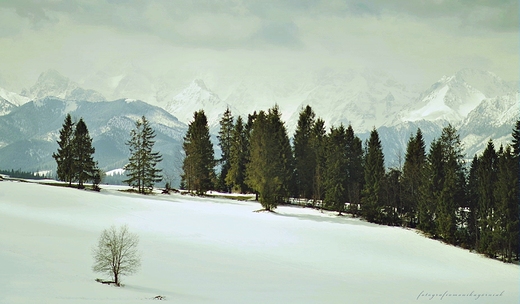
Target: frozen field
column 220, row 251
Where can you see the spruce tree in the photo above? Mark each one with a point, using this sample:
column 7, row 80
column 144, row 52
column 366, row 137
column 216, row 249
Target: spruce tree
column 473, row 199
column 199, row 161
column 336, row 170
column 413, row 170
column 83, row 162
column 142, row 169
column 270, row 169
column 486, row 216
column 225, row 141
column 374, row 173
column 453, row 194
column 318, row 144
column 235, row 178
column 64, row 155
column 430, row 190
column 354, row 169
column 304, row 153
column 506, row 232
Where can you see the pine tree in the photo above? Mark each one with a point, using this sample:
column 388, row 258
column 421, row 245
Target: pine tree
column 473, row 198
column 199, row 160
column 318, row 142
column 142, row 169
column 506, row 232
column 374, row 173
column 413, row 170
column 336, row 170
column 453, row 194
column 83, row 162
column 225, row 142
column 269, row 172
column 304, row 154
column 486, row 216
column 64, row 155
column 235, row 178
column 391, row 197
column 354, row 167
column 430, row 189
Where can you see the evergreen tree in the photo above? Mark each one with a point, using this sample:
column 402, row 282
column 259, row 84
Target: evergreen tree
column 225, row 141
column 318, row 141
column 83, row 162
column 430, row 190
column 354, row 169
column 413, row 170
column 199, row 156
column 269, row 172
column 486, row 216
column 473, row 199
column 64, row 155
column 304, row 154
column 235, row 178
column 391, row 197
column 336, row 170
column 453, row 194
column 506, row 196
column 374, row 173
column 142, row 169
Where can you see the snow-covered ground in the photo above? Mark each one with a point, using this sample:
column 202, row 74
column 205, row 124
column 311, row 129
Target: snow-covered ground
column 220, row 251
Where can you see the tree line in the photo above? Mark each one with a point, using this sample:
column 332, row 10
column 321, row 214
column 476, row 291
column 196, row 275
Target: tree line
column 473, row 205
column 75, row 157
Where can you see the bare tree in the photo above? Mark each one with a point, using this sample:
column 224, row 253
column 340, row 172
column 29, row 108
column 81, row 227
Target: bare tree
column 116, row 253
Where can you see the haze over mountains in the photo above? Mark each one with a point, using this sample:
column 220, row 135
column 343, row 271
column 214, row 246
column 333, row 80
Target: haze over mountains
column 478, row 103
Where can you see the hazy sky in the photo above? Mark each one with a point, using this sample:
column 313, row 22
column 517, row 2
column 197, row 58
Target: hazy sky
column 413, row 39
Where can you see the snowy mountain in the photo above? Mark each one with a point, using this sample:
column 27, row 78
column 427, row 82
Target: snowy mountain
column 29, row 133
column 52, row 83
column 452, row 98
column 194, row 98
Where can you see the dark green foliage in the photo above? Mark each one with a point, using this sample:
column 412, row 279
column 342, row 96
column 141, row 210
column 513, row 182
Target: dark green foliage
column 64, row 155
column 472, row 199
column 318, row 144
column 391, row 197
column 304, row 153
column 83, row 162
column 23, row 174
column 142, row 169
column 374, row 173
column 225, row 141
column 235, row 178
column 354, row 169
column 430, row 189
column 199, row 161
column 269, row 172
column 336, row 170
column 453, row 194
column 413, row 171
column 486, row 205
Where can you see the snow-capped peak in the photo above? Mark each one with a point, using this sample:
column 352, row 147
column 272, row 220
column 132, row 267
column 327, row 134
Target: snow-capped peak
column 452, row 98
column 52, row 83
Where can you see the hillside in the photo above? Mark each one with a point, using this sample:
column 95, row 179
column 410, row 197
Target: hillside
column 219, row 251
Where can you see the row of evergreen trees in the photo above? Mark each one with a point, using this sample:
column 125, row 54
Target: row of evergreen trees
column 75, row 162
column 433, row 191
column 74, row 158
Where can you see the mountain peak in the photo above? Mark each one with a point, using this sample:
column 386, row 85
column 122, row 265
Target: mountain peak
column 52, row 83
column 200, row 83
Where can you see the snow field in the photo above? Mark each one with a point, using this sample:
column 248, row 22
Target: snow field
column 219, row 251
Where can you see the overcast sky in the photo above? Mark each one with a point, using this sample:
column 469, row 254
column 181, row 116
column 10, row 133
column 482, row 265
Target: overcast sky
column 412, row 39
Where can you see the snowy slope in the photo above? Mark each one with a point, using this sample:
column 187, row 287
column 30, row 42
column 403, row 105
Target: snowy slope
column 219, row 251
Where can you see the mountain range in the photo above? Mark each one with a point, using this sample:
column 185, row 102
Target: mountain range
column 478, row 103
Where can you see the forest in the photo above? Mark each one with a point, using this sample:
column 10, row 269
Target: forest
column 471, row 204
